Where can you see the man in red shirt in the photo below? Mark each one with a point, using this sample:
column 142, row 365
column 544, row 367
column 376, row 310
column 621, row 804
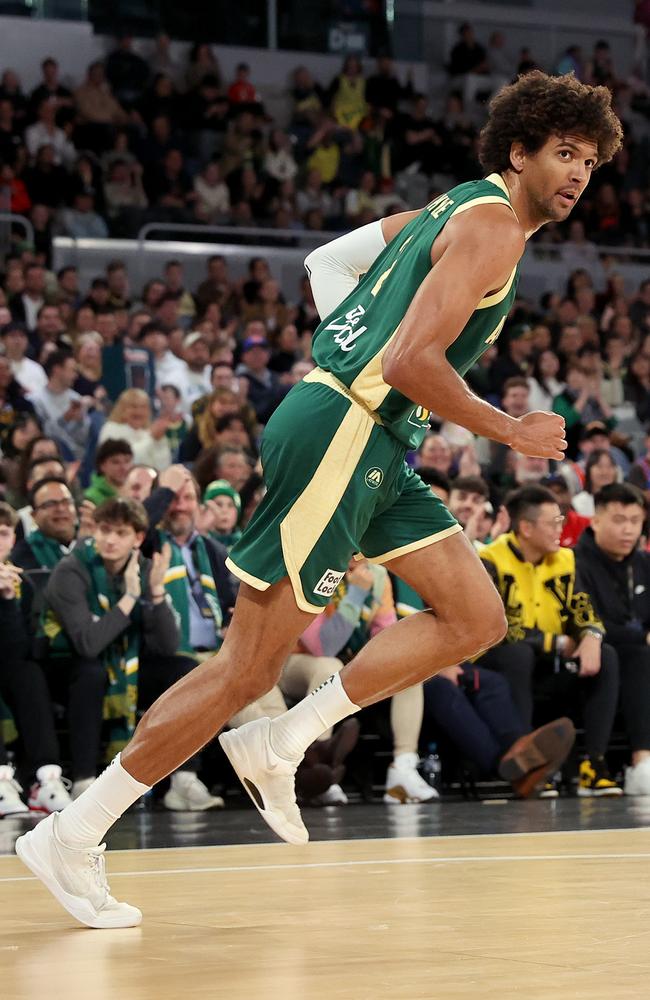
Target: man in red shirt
column 574, row 523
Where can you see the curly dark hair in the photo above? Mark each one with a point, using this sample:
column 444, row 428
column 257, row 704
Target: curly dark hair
column 538, row 106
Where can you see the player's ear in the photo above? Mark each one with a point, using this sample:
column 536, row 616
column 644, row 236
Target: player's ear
column 517, row 156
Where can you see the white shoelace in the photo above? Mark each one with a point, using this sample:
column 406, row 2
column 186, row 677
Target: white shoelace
column 97, row 865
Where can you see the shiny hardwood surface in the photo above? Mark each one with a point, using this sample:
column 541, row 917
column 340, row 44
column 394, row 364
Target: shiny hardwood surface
column 557, row 915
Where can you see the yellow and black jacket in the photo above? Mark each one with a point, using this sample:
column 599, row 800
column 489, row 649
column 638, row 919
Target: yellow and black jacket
column 543, row 601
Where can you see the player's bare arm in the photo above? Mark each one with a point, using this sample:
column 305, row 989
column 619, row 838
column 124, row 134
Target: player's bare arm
column 476, row 257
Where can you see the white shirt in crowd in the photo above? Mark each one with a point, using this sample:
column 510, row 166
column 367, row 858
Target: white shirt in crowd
column 146, row 449
column 29, row 374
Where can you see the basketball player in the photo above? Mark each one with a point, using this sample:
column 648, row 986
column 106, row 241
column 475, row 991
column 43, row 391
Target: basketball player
column 437, row 288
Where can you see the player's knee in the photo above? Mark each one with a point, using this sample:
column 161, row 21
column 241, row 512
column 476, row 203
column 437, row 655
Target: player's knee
column 489, row 624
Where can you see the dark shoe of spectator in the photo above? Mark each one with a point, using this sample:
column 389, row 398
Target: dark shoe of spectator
column 187, row 793
column 312, row 777
column 595, row 781
column 341, row 743
column 535, row 756
column 550, row 789
column 50, row 792
column 10, row 801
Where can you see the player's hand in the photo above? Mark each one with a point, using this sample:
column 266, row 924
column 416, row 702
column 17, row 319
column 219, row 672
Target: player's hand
column 540, row 435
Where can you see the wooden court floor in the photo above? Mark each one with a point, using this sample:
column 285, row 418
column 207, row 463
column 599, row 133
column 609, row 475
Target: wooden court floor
column 539, row 916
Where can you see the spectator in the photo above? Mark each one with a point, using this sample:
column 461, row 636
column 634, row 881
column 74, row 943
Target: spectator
column 202, row 62
column 62, row 411
column 169, row 369
column 212, row 203
column 467, row 55
column 13, row 193
column 130, row 421
column 49, row 329
column 23, row 686
column 636, row 385
column 224, row 505
column 113, row 460
column 555, row 640
column 279, row 162
column 39, row 468
column 168, row 185
column 50, row 89
column 123, row 191
column 617, row 575
column 230, row 463
column 205, row 113
column 200, row 592
column 574, row 524
column 26, row 304
column 515, row 360
column 241, row 90
column 82, row 221
column 88, row 355
column 384, row 92
column 347, row 94
column 161, row 60
column 29, row 374
column 435, row 453
column 601, row 470
column 99, row 112
column 127, row 72
column 580, row 403
column 139, row 482
column 203, row 434
column 196, row 381
column 10, row 137
column 543, row 382
column 94, row 598
column 45, row 132
column 53, row 512
column 264, row 388
column 12, row 398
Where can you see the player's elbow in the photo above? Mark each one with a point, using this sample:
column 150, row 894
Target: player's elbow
column 395, row 368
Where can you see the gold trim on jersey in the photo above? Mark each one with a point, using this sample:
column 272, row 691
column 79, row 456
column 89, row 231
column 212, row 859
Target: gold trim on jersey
column 486, row 199
column 326, row 378
column 493, row 300
column 369, row 385
column 413, row 546
column 241, row 574
column 302, row 527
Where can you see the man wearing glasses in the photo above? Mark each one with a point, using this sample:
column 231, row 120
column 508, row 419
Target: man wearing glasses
column 554, row 646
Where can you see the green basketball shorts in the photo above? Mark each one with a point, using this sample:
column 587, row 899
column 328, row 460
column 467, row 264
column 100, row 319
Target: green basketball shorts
column 337, row 486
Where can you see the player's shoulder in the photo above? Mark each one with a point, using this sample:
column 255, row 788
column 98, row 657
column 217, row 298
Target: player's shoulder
column 492, row 226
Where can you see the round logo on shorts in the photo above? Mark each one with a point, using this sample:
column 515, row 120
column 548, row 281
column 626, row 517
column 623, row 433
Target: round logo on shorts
column 374, row 478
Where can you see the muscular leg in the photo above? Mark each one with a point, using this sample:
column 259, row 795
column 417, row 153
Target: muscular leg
column 264, row 628
column 466, row 616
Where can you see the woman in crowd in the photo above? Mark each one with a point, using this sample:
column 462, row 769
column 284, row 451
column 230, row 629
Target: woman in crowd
column 544, row 383
column 601, row 470
column 130, row 420
column 203, row 434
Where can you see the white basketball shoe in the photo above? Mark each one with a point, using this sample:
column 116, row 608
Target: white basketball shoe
column 76, row 878
column 268, row 778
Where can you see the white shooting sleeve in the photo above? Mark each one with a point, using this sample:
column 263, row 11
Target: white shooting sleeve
column 334, row 268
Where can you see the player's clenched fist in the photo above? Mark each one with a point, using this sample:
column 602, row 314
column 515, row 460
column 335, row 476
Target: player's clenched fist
column 539, row 435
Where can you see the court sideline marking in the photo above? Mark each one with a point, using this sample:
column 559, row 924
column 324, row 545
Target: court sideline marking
column 476, row 859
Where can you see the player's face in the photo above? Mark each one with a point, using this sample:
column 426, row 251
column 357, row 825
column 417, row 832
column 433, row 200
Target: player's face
column 556, row 176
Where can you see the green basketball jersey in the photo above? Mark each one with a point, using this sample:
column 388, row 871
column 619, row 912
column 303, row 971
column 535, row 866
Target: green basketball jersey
column 351, row 341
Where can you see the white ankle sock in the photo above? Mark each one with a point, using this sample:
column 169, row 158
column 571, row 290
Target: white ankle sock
column 295, row 730
column 85, row 821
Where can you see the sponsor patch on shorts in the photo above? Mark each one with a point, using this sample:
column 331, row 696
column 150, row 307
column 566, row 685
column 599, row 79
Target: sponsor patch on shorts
column 328, row 583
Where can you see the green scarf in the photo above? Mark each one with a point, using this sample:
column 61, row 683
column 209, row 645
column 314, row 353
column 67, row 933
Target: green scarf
column 227, row 540
column 120, row 658
column 176, row 585
column 48, row 551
